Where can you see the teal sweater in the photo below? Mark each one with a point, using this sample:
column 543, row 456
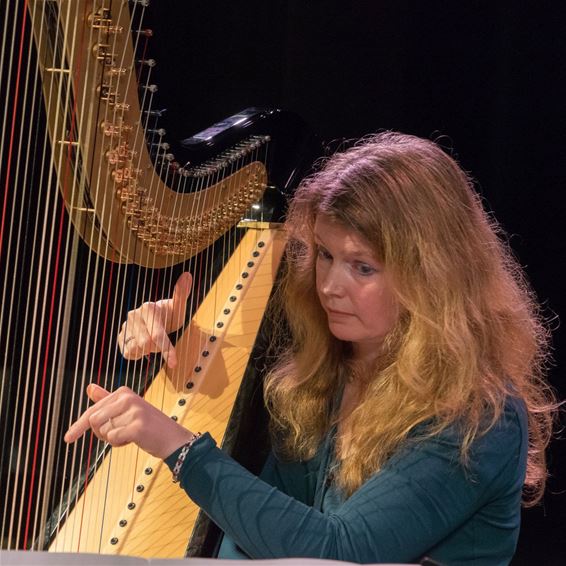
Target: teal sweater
column 422, row 503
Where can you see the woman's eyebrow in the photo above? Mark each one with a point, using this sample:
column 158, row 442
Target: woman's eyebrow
column 356, row 252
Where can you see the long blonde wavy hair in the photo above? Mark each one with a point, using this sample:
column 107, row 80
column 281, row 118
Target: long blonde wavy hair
column 470, row 333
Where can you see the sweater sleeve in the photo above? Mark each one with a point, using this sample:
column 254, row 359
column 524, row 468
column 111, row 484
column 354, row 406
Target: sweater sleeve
column 296, row 479
column 418, row 499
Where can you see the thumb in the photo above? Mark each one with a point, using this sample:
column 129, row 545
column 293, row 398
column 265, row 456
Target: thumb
column 182, row 289
column 96, row 393
column 181, row 293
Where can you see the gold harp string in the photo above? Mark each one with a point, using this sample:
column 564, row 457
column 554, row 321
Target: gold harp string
column 93, row 356
column 95, row 447
column 52, row 409
column 96, row 303
column 147, row 286
column 32, row 341
column 137, row 286
column 39, row 340
column 6, row 242
column 78, row 183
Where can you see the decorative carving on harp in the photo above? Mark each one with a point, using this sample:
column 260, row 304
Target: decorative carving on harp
column 97, row 217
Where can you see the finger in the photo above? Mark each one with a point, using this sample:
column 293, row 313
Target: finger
column 119, row 436
column 162, row 343
column 79, row 427
column 137, row 340
column 181, row 293
column 157, row 338
column 96, row 393
column 132, row 328
column 104, row 425
column 82, row 424
column 182, row 289
column 104, row 429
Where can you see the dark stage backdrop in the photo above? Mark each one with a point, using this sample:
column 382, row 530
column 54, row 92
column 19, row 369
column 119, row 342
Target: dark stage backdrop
column 487, row 78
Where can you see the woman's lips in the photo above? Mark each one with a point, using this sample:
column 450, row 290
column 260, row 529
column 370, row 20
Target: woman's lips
column 338, row 313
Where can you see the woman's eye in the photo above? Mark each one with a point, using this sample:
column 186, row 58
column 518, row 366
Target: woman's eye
column 365, row 269
column 322, row 253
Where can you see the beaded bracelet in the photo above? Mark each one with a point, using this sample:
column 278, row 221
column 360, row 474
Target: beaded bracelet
column 182, row 456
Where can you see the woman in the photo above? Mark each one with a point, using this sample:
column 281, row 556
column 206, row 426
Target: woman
column 408, row 410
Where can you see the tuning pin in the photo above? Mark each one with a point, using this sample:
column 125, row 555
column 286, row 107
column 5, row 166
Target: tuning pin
column 159, row 131
column 156, row 146
column 146, row 32
column 147, row 62
column 156, row 113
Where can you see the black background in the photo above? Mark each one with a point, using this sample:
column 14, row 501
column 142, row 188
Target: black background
column 486, row 78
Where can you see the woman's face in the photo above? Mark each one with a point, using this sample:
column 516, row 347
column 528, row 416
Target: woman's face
column 354, row 289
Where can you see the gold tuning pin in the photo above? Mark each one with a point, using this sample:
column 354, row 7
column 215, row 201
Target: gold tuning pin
column 110, row 129
column 102, row 21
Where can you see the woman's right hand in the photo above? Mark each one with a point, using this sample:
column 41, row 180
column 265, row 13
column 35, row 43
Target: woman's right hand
column 146, row 328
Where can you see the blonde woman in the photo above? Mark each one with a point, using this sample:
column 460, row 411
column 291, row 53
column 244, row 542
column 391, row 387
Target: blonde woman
column 408, row 411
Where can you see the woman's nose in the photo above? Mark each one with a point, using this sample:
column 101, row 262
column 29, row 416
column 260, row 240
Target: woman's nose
column 333, row 283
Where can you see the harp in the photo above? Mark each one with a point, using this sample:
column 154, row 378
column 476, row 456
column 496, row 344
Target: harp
column 97, row 217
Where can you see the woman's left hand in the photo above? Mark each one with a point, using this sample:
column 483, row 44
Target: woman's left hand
column 122, row 417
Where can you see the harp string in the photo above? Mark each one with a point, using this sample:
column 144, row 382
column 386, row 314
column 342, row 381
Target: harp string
column 9, row 168
column 137, row 287
column 64, row 257
column 69, row 137
column 7, row 192
column 84, row 522
column 33, row 343
column 14, row 114
column 70, row 341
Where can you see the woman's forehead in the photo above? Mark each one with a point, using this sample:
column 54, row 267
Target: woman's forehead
column 334, row 232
